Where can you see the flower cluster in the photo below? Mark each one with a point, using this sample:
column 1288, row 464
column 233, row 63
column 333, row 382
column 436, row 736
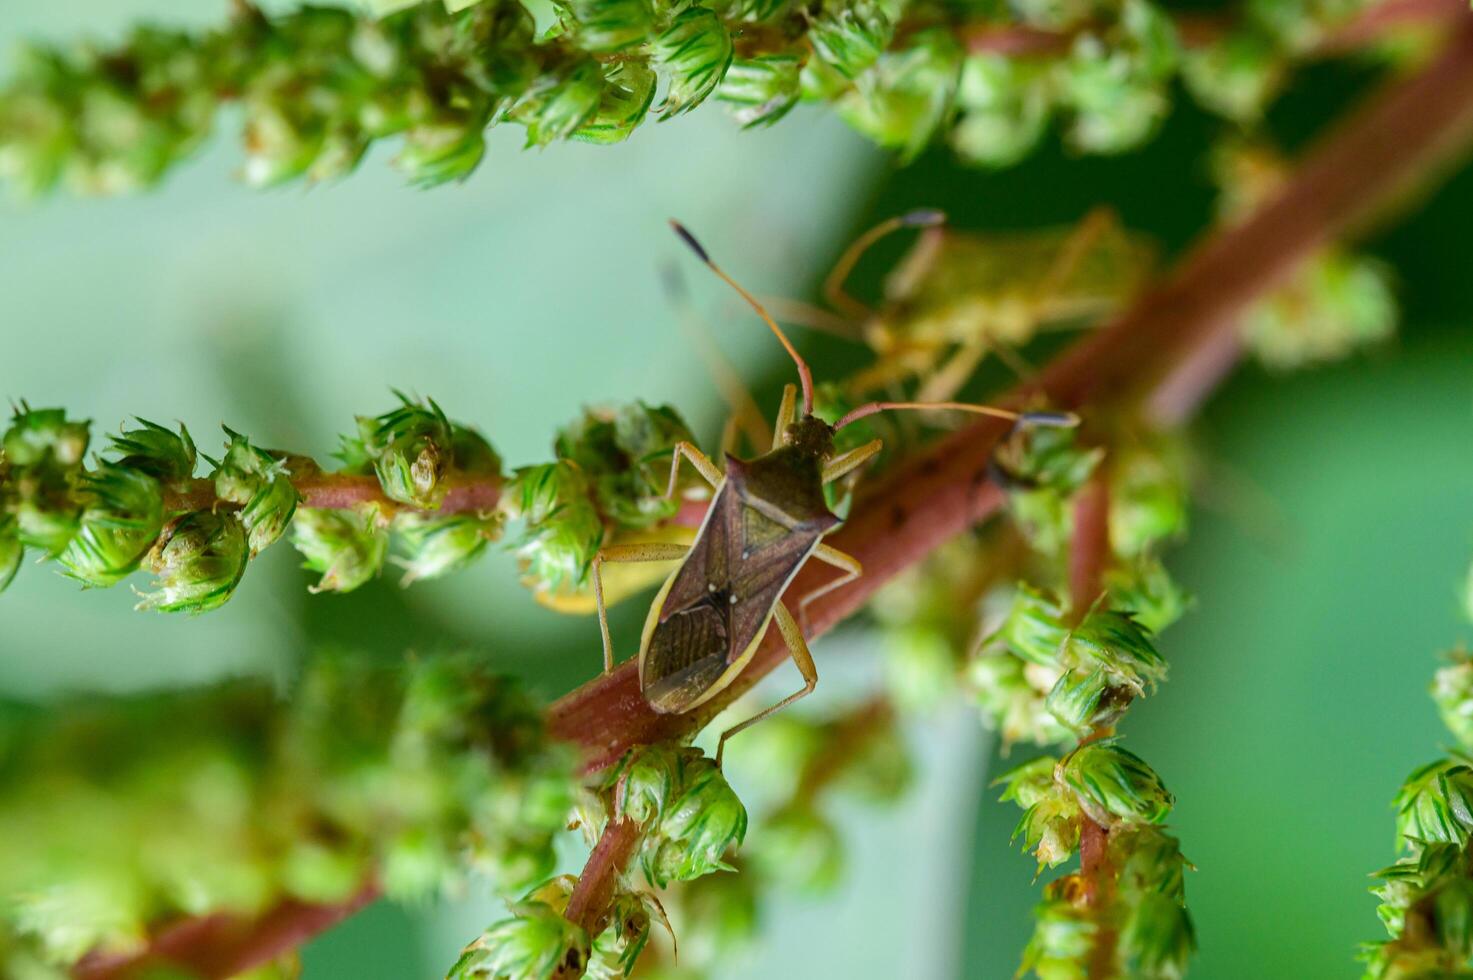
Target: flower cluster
column 120, row 816
column 319, row 85
column 1336, row 303
column 142, row 507
column 1141, row 907
column 1427, row 895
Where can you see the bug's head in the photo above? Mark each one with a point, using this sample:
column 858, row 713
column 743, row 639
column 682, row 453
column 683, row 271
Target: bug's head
column 811, row 436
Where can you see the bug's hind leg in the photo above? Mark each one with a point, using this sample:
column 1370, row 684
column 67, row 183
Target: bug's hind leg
column 798, row 649
column 846, row 563
column 648, row 551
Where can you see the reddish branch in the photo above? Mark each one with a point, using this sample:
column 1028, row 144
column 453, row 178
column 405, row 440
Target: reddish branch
column 466, row 492
column 589, row 904
column 1156, row 354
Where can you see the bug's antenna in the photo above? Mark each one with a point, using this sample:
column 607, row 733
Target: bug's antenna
column 833, row 285
column 804, row 374
column 1057, row 420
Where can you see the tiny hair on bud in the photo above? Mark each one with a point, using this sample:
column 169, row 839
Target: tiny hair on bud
column 690, row 240
column 923, row 218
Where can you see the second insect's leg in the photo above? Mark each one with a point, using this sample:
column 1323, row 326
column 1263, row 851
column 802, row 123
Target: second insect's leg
column 798, row 649
column 648, row 551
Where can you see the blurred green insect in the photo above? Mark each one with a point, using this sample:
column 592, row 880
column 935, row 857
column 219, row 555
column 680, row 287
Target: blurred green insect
column 766, row 518
column 956, row 296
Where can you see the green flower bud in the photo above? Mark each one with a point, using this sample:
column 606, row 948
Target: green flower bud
column 1146, row 591
column 199, row 561
column 11, row 549
column 908, row 93
column 410, row 449
column 690, row 812
column 346, row 546
column 626, row 455
column 563, row 529
column 851, row 38
column 1049, row 826
column 696, row 51
column 1148, row 496
column 436, row 546
column 442, row 151
column 799, row 850
column 261, row 484
column 1156, row 939
column 1063, row 935
column 762, row 89
column 1115, row 642
column 1114, row 785
column 626, row 99
column 1435, row 804
column 1079, row 700
column 1336, row 304
column 558, row 106
column 1012, row 704
column 123, row 514
column 607, row 26
column 1452, row 692
column 1007, row 106
column 44, row 437
column 156, row 451
column 1044, row 467
column 536, row 944
column 1235, row 76
column 1034, row 628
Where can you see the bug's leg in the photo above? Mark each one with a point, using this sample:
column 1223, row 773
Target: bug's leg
column 943, row 385
column 646, row 551
column 846, row 563
column 850, row 461
column 798, row 649
column 709, row 471
column 787, row 413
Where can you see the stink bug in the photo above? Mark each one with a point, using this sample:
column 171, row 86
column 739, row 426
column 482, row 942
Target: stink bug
column 766, row 518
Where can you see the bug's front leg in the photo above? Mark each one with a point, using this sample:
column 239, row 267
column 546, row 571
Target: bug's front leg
column 848, row 462
column 846, row 563
column 798, row 649
column 641, row 552
column 709, row 471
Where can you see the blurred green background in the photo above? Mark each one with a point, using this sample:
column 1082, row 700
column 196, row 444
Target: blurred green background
column 1327, row 552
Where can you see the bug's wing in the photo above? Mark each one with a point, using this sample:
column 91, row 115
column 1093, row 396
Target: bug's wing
column 764, row 556
column 706, row 564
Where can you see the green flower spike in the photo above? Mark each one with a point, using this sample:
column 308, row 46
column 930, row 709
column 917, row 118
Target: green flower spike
column 537, row 943
column 1452, row 690
column 199, row 561
column 617, row 948
column 41, row 458
column 124, row 513
column 761, row 90
column 1050, row 823
column 1034, row 628
column 261, row 484
column 625, row 455
column 696, row 51
column 346, row 546
column 1436, row 804
column 156, row 451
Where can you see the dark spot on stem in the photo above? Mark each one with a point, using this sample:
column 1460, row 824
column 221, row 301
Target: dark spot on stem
column 897, row 517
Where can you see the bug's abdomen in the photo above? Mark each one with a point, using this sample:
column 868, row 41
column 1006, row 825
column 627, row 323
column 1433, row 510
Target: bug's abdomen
column 685, row 656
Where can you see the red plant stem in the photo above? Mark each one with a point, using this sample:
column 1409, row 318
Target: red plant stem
column 589, row 904
column 218, row 946
column 1408, row 130
column 465, row 493
column 1411, row 127
column 1089, row 549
